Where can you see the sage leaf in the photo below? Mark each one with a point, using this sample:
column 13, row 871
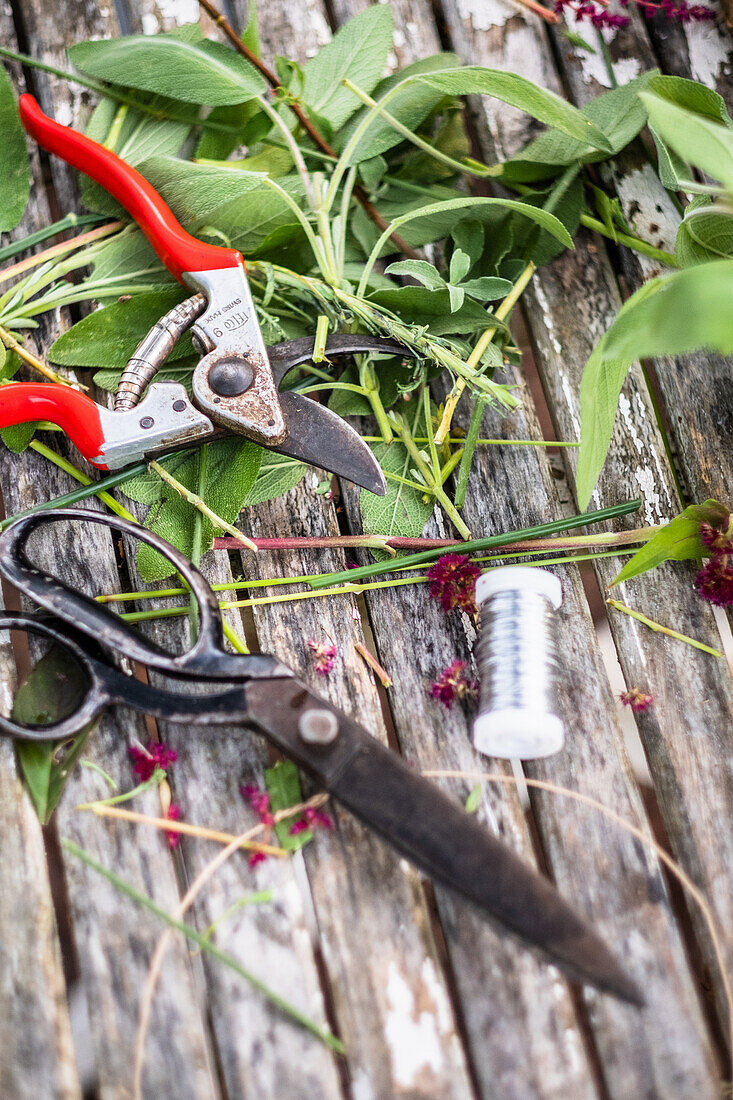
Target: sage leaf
column 670, row 315
column 183, row 68
column 15, row 173
column 358, row 51
column 283, row 786
column 678, row 540
column 700, row 141
column 416, row 305
column 704, row 234
column 277, row 475
column 231, row 471
column 403, row 510
column 420, row 270
column 521, row 93
column 691, row 95
column 53, row 689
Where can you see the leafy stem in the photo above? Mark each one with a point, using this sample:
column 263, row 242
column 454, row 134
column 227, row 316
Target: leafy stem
column 432, row 480
column 201, row 506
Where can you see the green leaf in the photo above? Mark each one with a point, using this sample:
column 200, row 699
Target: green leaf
column 469, row 237
column 17, row 437
column 53, row 689
column 420, row 270
column 619, row 114
column 679, row 540
column 460, row 263
column 204, row 72
column 521, row 93
column 15, row 173
column 277, row 475
column 127, row 255
column 692, row 96
column 416, row 305
column 704, row 234
column 410, row 106
column 283, row 786
column 706, row 144
column 232, row 469
column 487, row 289
column 673, row 314
column 672, row 169
column 474, row 799
column 402, row 510
column 108, row 337
column 358, row 51
column 576, row 40
column 218, row 144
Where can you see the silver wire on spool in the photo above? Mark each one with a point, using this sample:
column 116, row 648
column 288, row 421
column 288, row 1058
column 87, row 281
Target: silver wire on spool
column 518, row 664
column 153, row 351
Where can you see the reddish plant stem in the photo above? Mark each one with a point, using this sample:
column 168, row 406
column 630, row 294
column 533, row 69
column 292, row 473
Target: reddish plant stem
column 359, row 193
column 618, row 538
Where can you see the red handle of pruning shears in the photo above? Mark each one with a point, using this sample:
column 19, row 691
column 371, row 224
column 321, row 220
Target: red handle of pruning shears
column 75, row 414
column 177, row 249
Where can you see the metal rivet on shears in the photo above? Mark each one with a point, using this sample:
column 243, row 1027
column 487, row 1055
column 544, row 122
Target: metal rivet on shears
column 318, row 727
column 230, row 377
column 147, row 422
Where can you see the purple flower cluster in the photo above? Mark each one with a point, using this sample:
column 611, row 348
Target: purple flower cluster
column 145, row 761
column 452, row 684
column 324, row 656
column 714, row 582
column 453, row 582
column 597, row 13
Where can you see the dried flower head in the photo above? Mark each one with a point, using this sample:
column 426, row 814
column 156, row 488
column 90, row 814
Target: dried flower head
column 259, row 801
column 173, row 813
column 715, row 540
column 636, row 699
column 312, row 818
column 453, row 582
column 324, row 656
column 146, row 760
column 714, row 582
column 255, row 858
column 452, row 684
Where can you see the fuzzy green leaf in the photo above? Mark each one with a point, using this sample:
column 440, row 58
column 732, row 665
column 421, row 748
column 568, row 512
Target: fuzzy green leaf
column 402, row 510
column 420, row 270
column 15, row 173
column 679, row 540
column 107, row 338
column 704, row 234
column 700, row 141
column 486, row 289
column 417, row 305
column 194, row 71
column 232, row 469
column 442, row 213
column 283, row 786
column 53, row 689
column 277, row 475
column 691, row 95
column 672, row 169
column 671, row 315
column 410, row 106
column 358, row 51
column 619, row 114
column 521, row 93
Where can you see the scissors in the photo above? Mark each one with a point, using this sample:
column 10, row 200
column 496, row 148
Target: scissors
column 264, row 695
column 235, row 386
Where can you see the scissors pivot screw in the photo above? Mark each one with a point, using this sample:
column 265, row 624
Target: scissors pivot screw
column 230, row 377
column 318, row 727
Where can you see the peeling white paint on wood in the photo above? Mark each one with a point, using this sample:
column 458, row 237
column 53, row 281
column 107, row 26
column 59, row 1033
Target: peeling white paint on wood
column 414, row 1034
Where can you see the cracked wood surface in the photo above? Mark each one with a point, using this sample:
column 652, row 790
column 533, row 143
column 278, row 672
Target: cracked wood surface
column 430, row 1002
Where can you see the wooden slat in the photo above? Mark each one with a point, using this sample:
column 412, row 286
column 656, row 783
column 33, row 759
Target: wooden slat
column 389, row 995
column 575, row 840
column 692, row 781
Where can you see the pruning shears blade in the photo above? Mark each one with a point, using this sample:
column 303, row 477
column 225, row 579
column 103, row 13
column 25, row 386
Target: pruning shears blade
column 320, row 437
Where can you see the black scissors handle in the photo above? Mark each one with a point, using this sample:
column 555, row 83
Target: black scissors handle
column 206, row 660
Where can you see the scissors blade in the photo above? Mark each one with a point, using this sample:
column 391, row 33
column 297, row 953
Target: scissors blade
column 437, row 835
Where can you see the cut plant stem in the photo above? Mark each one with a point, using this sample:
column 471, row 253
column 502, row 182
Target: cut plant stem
column 201, row 506
column 635, row 243
column 24, row 244
column 60, row 249
column 493, row 541
column 501, row 313
column 432, row 483
column 373, row 542
column 89, row 489
column 467, row 458
column 547, row 14
column 382, row 675
column 658, row 629
column 550, row 443
column 104, row 809
column 78, row 475
column 33, row 361
column 206, row 945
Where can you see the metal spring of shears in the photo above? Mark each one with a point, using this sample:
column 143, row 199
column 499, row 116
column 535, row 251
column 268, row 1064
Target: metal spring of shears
column 151, row 353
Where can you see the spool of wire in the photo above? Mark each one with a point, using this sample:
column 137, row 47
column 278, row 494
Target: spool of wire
column 517, row 662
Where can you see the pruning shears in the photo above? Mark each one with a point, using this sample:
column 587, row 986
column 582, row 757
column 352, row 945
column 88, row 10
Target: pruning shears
column 236, row 383
column 261, row 693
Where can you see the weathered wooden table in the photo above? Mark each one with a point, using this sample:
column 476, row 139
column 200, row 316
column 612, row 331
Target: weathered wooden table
column 428, row 1000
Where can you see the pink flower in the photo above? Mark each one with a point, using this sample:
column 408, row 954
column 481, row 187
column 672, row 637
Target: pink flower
column 145, row 761
column 173, row 814
column 715, row 540
column 453, row 684
column 714, row 582
column 312, row 818
column 636, row 699
column 259, row 801
column 324, row 656
column 453, row 582
column 255, row 858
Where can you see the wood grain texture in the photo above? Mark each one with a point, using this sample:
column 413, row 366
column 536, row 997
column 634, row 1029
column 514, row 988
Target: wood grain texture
column 598, row 766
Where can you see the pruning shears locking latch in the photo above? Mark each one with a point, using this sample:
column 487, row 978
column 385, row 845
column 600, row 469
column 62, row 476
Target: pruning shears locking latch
column 236, row 383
